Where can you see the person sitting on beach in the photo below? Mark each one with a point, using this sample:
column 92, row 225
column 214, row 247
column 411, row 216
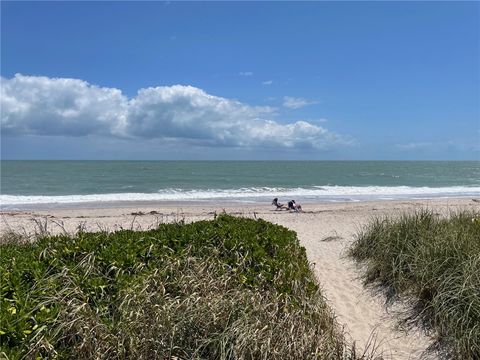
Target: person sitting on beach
column 292, row 205
column 277, row 204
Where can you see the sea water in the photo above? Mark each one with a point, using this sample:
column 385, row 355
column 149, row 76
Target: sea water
column 37, row 184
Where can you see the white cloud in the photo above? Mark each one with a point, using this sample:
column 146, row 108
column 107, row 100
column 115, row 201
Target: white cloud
column 415, row 146
column 446, row 145
column 296, row 103
column 245, row 73
column 50, row 106
column 70, row 107
column 268, row 82
column 317, row 121
column 427, row 146
column 190, row 113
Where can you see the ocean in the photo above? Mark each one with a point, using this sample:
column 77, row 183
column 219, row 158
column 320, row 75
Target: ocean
column 50, row 184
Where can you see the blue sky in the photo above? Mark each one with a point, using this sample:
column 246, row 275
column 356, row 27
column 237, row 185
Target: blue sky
column 231, row 80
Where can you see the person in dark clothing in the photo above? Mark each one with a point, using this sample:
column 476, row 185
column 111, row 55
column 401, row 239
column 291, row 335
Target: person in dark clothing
column 292, row 205
column 277, row 204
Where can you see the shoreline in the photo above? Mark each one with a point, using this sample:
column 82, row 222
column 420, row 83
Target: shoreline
column 113, row 208
column 326, row 230
column 217, row 202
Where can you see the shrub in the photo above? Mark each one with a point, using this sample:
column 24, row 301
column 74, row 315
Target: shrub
column 435, row 261
column 231, row 288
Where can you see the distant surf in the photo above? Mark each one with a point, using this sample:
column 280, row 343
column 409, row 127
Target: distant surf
column 253, row 194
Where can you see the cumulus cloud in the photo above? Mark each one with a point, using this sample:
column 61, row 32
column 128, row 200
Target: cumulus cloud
column 296, row 103
column 245, row 73
column 33, row 105
column 57, row 106
column 267, row 82
column 190, row 113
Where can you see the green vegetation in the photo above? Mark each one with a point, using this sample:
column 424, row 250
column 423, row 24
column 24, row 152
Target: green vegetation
column 231, row 288
column 435, row 262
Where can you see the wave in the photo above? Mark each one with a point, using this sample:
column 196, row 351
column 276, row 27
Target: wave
column 315, row 193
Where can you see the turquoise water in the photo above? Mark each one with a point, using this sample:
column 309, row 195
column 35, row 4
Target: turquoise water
column 67, row 182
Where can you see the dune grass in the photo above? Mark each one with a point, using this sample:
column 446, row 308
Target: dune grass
column 435, row 262
column 232, row 288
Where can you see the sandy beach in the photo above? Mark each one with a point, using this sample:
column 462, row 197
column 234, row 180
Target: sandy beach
column 326, row 230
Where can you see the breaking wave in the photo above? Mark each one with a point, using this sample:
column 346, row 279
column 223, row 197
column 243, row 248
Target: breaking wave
column 254, row 194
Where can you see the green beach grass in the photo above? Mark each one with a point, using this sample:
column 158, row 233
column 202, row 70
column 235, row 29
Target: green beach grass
column 433, row 261
column 231, row 288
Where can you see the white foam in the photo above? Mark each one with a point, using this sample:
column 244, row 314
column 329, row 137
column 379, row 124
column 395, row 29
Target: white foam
column 317, row 193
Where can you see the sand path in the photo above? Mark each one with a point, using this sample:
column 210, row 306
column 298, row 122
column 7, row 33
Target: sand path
column 363, row 315
column 325, row 230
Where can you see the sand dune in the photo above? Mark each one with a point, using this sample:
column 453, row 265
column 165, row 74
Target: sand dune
column 325, row 230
